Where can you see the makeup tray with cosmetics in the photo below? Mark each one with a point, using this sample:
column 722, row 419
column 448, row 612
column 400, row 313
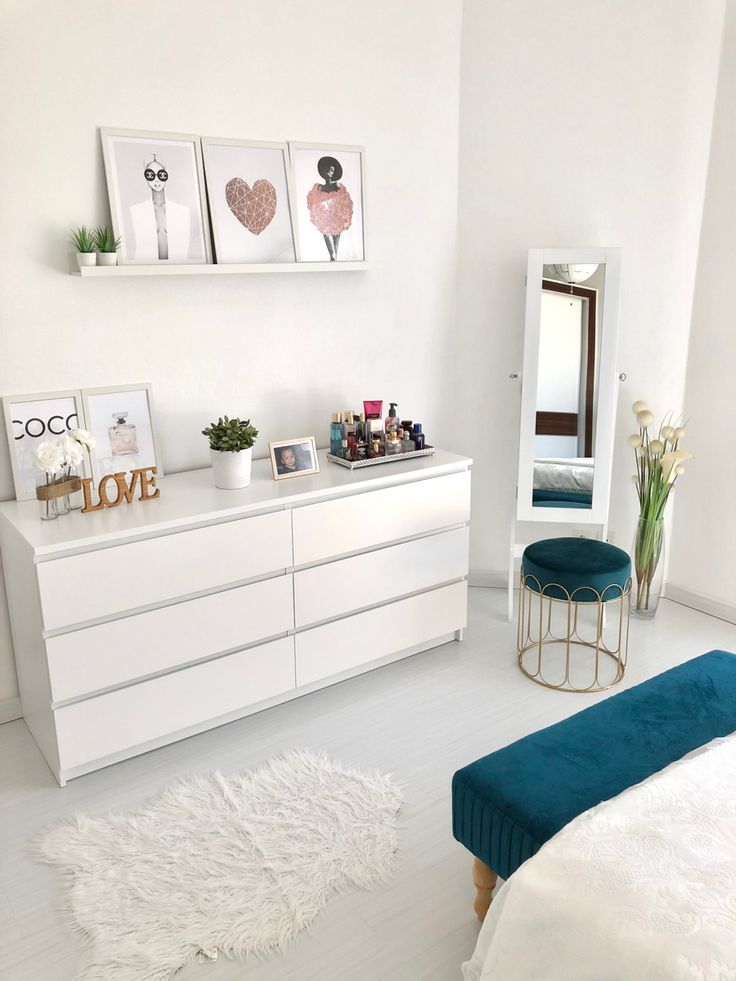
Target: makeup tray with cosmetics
column 365, row 439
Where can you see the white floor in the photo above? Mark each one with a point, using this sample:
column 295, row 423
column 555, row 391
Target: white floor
column 420, row 719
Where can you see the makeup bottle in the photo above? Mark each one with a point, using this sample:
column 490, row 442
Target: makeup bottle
column 418, row 436
column 123, row 438
column 407, row 443
column 392, row 423
column 336, row 433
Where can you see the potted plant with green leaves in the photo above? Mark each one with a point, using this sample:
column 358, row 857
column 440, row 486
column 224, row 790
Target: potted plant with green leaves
column 107, row 246
column 83, row 240
column 231, row 451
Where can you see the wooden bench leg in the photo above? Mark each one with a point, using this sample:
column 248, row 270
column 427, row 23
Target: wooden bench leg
column 484, row 880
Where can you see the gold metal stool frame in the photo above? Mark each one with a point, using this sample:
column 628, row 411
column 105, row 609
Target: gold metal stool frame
column 573, row 639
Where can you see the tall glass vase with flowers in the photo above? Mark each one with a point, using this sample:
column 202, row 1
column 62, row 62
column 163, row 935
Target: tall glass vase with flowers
column 659, row 464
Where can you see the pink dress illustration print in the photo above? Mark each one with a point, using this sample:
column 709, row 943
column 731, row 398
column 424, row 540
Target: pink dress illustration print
column 330, row 205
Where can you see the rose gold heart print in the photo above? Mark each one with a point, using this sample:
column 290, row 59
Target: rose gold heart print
column 254, row 207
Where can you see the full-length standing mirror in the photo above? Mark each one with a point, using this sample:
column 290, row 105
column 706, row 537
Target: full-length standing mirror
column 569, row 385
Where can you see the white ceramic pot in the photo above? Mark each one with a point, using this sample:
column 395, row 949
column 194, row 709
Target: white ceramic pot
column 86, row 259
column 231, row 470
column 107, row 258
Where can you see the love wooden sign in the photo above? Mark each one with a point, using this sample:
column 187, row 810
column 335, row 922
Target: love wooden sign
column 114, row 488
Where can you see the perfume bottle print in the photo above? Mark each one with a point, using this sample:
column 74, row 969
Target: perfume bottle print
column 123, row 438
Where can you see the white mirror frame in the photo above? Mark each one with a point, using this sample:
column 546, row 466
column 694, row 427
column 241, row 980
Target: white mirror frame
column 607, row 387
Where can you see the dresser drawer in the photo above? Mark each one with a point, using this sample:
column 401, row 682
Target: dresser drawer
column 332, row 590
column 369, row 519
column 366, row 637
column 129, row 717
column 124, row 577
column 119, row 651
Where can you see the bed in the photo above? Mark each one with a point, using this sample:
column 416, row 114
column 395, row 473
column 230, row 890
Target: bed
column 563, row 482
column 639, row 888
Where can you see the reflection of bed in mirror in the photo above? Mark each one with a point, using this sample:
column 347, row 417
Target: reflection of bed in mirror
column 563, row 482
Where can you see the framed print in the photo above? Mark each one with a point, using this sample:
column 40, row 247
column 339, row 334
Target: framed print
column 157, row 198
column 247, row 188
column 293, row 457
column 328, row 202
column 34, row 419
column 121, row 420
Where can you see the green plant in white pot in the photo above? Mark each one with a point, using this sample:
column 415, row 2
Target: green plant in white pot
column 83, row 240
column 107, row 246
column 231, row 451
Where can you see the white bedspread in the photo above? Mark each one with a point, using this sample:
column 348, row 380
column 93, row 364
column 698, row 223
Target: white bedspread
column 640, row 888
column 572, row 475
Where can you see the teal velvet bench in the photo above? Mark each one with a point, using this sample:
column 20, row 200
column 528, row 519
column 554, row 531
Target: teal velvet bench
column 507, row 805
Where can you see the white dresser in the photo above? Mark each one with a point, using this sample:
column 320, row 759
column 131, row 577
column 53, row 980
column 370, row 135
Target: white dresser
column 138, row 626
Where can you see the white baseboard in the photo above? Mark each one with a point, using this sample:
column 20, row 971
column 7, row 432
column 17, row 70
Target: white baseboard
column 10, row 709
column 488, row 579
column 697, row 601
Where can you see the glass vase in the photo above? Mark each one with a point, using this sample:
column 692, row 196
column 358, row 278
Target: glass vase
column 74, row 500
column 647, row 555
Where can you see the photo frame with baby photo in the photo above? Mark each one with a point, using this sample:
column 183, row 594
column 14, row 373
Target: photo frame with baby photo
column 294, row 457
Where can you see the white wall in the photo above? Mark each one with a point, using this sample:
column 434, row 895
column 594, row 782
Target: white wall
column 704, row 526
column 582, row 124
column 284, row 350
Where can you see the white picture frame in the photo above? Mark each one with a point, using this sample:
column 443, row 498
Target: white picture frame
column 110, row 408
column 321, row 230
column 144, row 200
column 303, row 455
column 248, row 191
column 34, row 419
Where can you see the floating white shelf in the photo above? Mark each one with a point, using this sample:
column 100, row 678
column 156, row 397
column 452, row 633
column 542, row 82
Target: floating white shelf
column 229, row 268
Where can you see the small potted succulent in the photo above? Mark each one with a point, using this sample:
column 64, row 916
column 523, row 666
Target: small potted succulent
column 231, row 451
column 83, row 240
column 107, row 246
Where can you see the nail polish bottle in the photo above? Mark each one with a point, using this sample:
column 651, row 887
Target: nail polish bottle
column 336, row 433
column 418, row 436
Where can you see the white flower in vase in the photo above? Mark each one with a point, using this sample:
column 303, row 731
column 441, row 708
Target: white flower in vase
column 48, row 458
column 658, row 465
column 84, row 438
column 71, row 451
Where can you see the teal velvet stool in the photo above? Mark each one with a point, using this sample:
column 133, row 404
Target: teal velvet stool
column 574, row 602
column 507, row 805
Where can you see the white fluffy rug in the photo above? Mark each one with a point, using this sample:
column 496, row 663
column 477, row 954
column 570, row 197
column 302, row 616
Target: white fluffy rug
column 236, row 864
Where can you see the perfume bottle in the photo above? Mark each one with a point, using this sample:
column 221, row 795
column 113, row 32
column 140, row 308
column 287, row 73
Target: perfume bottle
column 336, row 433
column 123, row 437
column 393, row 443
column 418, row 436
column 407, row 443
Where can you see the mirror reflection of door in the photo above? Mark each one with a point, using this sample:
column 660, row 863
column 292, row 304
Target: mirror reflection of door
column 564, row 452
